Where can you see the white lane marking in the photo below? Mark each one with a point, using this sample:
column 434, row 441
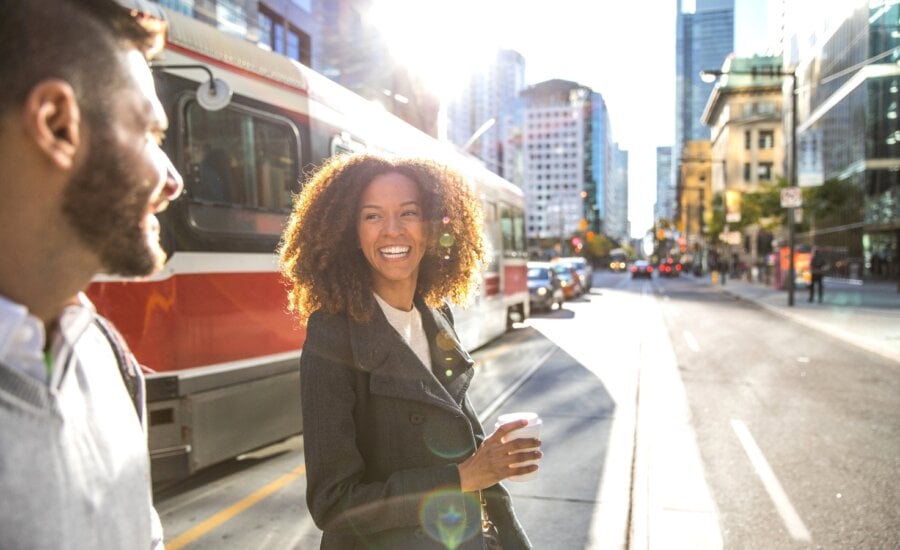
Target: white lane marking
column 786, row 510
column 690, row 340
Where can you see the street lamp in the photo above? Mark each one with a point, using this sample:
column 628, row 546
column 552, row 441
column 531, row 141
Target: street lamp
column 710, row 76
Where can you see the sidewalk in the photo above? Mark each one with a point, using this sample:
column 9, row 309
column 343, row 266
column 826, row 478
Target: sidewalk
column 866, row 315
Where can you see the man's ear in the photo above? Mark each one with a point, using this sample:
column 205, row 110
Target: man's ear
column 53, row 121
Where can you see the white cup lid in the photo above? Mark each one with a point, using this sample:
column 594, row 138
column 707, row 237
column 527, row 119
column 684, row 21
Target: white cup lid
column 532, row 417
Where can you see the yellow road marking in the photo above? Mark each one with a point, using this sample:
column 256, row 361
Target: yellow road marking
column 221, row 517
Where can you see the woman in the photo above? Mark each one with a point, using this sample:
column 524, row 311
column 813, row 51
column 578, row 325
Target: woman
column 395, row 454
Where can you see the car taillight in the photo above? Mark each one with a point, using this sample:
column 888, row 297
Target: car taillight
column 677, row 267
column 650, row 269
column 634, row 270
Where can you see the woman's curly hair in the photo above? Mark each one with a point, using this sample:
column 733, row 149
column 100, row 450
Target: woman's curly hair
column 320, row 254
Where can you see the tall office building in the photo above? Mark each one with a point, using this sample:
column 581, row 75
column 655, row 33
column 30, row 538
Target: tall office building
column 597, row 164
column 665, row 193
column 617, row 195
column 489, row 96
column 568, row 163
column 703, row 39
column 847, row 59
column 553, row 143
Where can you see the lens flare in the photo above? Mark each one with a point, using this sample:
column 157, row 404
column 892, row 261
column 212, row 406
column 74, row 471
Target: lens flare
column 436, row 440
column 447, row 240
column 450, row 517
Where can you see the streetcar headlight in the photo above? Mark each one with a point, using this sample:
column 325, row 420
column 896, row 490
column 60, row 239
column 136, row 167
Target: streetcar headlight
column 542, row 291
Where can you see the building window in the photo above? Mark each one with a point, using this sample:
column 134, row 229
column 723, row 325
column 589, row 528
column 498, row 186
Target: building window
column 184, row 6
column 293, row 44
column 278, row 38
column 231, row 17
column 767, row 108
column 265, row 29
column 764, row 171
column 766, row 139
column 748, row 139
column 746, row 171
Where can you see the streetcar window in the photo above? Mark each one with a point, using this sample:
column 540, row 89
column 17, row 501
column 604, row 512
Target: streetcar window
column 492, row 236
column 242, row 169
column 513, row 225
column 519, row 242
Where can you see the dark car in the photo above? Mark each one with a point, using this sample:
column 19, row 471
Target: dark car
column 544, row 287
column 641, row 268
column 669, row 268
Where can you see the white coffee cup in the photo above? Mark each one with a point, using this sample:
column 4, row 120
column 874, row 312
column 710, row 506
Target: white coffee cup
column 532, row 430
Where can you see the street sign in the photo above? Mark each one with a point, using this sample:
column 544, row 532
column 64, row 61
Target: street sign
column 791, row 197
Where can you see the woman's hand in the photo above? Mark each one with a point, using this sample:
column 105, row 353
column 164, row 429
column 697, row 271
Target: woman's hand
column 491, row 462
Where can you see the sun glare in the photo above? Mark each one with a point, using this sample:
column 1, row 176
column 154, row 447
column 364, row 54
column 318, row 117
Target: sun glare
column 442, row 42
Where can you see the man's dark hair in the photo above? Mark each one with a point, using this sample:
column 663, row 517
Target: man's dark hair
column 78, row 41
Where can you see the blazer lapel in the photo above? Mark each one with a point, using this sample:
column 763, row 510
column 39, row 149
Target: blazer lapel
column 394, row 369
column 451, row 364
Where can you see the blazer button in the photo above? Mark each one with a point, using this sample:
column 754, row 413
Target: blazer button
column 416, row 418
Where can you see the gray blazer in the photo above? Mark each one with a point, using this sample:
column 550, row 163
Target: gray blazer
column 383, row 436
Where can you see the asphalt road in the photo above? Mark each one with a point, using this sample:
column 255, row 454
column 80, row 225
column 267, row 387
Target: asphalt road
column 799, row 433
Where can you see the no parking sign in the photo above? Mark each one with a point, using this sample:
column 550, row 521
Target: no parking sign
column 791, row 197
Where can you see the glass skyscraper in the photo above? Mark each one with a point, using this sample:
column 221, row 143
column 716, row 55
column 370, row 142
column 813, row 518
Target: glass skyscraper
column 703, row 39
column 848, row 75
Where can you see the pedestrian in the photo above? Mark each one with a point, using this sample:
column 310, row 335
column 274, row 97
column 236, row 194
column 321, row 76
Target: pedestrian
column 817, row 267
column 395, row 454
column 82, row 176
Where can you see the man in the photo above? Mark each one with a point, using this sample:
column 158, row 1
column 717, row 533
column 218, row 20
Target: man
column 817, row 268
column 82, row 175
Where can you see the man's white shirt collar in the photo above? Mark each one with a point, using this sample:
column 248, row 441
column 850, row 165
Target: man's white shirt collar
column 23, row 338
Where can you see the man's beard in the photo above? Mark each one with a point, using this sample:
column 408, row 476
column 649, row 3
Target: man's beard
column 105, row 202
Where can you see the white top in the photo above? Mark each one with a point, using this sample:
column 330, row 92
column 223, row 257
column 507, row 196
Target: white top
column 408, row 325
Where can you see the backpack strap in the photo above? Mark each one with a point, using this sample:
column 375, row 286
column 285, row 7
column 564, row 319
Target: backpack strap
column 129, row 368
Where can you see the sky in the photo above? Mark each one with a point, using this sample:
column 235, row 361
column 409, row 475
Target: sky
column 623, row 49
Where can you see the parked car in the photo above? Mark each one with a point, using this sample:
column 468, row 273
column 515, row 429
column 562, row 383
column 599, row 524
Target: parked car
column 669, row 268
column 584, row 269
column 544, row 287
column 641, row 268
column 568, row 278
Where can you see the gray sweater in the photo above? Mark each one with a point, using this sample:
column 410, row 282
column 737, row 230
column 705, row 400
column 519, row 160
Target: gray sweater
column 74, row 468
